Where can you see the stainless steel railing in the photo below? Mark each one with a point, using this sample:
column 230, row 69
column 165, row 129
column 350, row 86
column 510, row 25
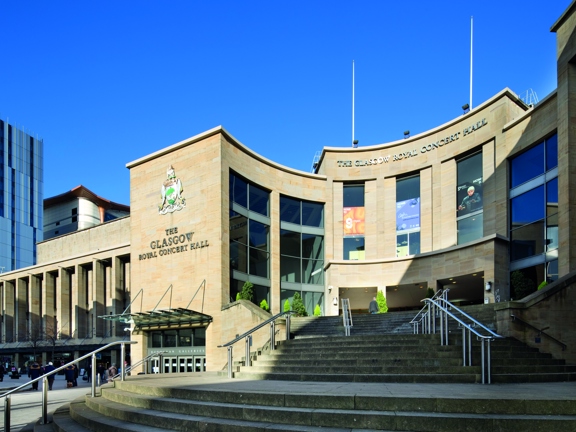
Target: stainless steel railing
column 346, row 316
column 44, row 379
column 248, row 338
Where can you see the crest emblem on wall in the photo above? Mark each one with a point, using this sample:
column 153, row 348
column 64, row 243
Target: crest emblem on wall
column 172, row 199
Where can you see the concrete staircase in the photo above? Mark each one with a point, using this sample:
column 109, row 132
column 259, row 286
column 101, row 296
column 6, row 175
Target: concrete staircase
column 155, row 405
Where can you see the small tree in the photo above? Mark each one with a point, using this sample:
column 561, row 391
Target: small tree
column 287, row 306
column 542, row 285
column 247, row 292
column 430, row 292
column 264, row 305
column 381, row 300
column 317, row 311
column 298, row 306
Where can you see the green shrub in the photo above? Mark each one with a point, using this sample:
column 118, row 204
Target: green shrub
column 237, row 296
column 247, row 292
column 317, row 311
column 264, row 305
column 298, row 306
column 287, row 306
column 381, row 300
column 542, row 285
column 430, row 292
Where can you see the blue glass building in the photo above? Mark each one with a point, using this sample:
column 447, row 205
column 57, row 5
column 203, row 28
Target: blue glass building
column 21, row 197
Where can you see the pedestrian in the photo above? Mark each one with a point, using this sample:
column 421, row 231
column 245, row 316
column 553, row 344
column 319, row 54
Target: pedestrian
column 70, row 375
column 49, row 368
column 100, row 371
column 373, row 308
column 76, row 374
column 34, row 371
column 112, row 372
column 2, row 372
column 89, row 372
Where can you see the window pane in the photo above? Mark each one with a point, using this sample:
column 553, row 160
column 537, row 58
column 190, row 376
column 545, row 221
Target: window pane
column 312, row 246
column 169, row 338
column 470, row 228
column 414, row 243
column 353, row 196
column 259, row 200
column 527, row 207
column 527, row 241
column 312, row 214
column 408, row 188
column 156, row 340
column 200, row 336
column 238, row 191
column 239, row 228
column 313, row 272
column 259, row 235
column 238, row 257
column 552, row 197
column 286, row 294
column 552, row 232
column 354, row 248
column 290, row 243
column 258, row 263
column 402, row 245
column 290, row 269
column 311, row 299
column 469, row 189
column 525, row 281
column 185, row 338
column 552, row 271
column 551, row 152
column 289, row 210
column 527, row 165
column 261, row 293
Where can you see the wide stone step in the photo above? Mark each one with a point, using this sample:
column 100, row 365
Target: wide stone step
column 329, row 369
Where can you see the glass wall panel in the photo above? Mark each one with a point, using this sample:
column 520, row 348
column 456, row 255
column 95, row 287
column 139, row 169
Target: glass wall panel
column 259, row 235
column 312, row 214
column 239, row 228
column 156, row 339
column 238, row 190
column 527, row 207
column 200, row 336
column 525, row 281
column 408, row 216
column 527, row 165
column 312, row 246
column 290, row 210
column 470, row 228
column 354, row 248
column 239, row 257
column 290, row 243
column 185, row 337
column 552, row 197
column 290, row 269
column 470, row 181
column 552, row 152
column 313, row 272
column 527, row 241
column 552, row 232
column 259, row 200
column 259, row 263
column 354, row 195
column 170, row 337
column 414, row 243
column 311, row 299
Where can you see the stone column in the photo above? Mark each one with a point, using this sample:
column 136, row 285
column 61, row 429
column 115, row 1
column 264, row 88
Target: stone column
column 50, row 324
column 23, row 330
column 63, row 299
column 9, row 312
column 99, row 296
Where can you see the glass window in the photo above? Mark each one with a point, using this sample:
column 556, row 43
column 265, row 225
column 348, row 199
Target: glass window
column 239, row 257
column 258, row 263
column 354, row 195
column 169, row 338
column 469, row 189
column 238, row 191
column 313, row 272
column 185, row 338
column 527, row 165
column 200, row 336
column 290, row 269
column 312, row 214
column 526, row 241
column 552, row 152
column 527, row 207
column 289, row 210
column 470, row 228
column 156, row 339
column 312, row 246
column 239, row 228
column 290, row 243
column 259, row 235
column 354, row 248
column 408, row 216
column 259, row 199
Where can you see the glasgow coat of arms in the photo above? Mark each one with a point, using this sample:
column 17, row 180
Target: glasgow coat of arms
column 172, row 199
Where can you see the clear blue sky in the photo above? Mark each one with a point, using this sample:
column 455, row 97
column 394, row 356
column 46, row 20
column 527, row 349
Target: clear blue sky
column 106, row 82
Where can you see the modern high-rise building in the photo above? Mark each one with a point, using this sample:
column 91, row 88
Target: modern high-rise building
column 21, row 197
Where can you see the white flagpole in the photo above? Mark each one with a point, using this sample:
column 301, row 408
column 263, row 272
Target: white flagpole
column 471, row 47
column 352, row 103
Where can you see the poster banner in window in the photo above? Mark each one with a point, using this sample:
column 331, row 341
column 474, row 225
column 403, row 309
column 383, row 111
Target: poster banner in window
column 354, row 220
column 408, row 214
column 469, row 197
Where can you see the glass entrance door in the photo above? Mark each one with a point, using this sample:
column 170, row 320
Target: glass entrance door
column 199, row 363
column 170, row 365
column 185, row 364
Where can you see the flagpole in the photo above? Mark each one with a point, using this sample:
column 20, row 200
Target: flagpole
column 471, row 48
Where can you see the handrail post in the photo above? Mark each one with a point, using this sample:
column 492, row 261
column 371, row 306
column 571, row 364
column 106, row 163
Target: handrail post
column 469, row 347
column 248, row 343
column 122, row 362
column 483, row 362
column 441, row 327
column 93, row 377
column 488, row 361
column 272, row 336
column 160, row 364
column 44, row 400
column 7, row 403
column 428, row 321
column 463, row 346
column 288, row 327
column 230, row 361
column 446, row 329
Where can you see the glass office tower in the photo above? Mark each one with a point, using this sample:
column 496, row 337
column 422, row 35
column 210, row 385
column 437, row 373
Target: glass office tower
column 21, row 197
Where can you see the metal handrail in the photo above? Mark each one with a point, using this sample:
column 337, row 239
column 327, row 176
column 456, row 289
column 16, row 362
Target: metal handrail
column 44, row 378
column 466, row 344
column 422, row 313
column 138, row 363
column 540, row 331
column 248, row 337
column 474, row 320
column 346, row 316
